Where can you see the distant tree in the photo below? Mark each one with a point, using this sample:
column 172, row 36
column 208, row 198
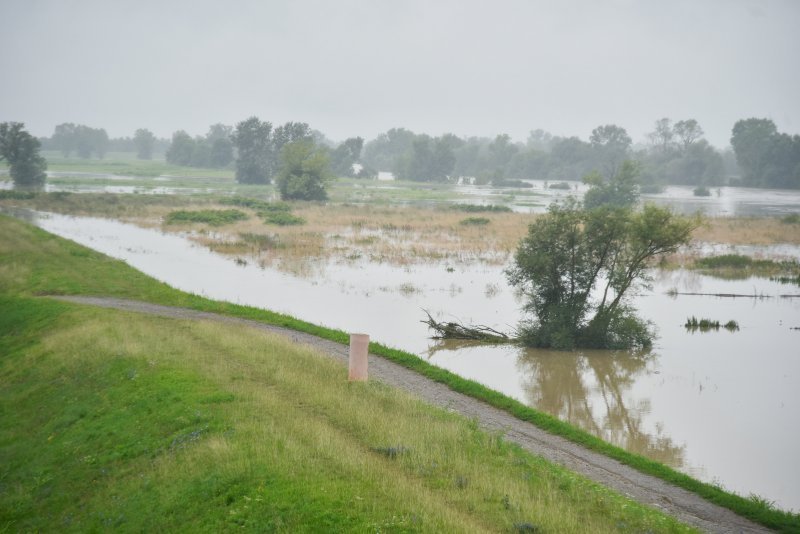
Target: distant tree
column 64, row 138
column 540, row 140
column 662, row 136
column 21, row 150
column 382, row 152
column 304, row 171
column 345, row 155
column 501, row 151
column 99, row 142
column 576, row 267
column 220, row 146
column 621, row 191
column 570, row 159
column 253, row 141
column 752, row 141
column 611, row 144
column 144, row 141
column 290, row 132
column 688, row 132
column 181, row 149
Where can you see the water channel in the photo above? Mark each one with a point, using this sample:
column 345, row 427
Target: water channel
column 721, row 406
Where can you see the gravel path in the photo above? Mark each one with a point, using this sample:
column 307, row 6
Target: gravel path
column 684, row 505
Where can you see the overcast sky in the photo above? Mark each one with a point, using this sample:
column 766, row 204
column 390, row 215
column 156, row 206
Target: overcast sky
column 361, row 67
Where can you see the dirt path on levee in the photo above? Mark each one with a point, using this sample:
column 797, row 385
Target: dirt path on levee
column 684, row 505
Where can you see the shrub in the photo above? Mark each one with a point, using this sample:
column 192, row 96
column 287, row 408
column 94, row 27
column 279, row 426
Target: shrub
column 281, row 218
column 701, row 191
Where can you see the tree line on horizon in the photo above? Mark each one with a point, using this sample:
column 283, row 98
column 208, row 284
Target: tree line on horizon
column 674, row 153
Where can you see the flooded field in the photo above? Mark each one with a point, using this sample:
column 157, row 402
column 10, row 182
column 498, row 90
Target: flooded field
column 721, row 406
column 724, row 201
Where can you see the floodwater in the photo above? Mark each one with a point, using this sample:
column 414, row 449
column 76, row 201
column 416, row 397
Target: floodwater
column 721, row 406
column 724, row 201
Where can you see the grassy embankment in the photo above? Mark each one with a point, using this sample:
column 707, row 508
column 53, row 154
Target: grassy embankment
column 33, row 262
column 114, row 420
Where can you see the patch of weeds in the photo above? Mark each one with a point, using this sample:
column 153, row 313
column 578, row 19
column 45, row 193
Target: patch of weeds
column 704, row 325
column 281, row 218
column 525, row 527
column 477, row 208
column 793, row 218
column 731, row 326
column 261, row 241
column 17, row 195
column 475, row 221
column 408, row 288
column 736, row 266
column 255, row 204
column 212, row 217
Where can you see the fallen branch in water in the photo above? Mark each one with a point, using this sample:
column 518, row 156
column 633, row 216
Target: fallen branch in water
column 459, row 331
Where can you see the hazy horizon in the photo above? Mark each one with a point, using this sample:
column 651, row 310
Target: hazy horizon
column 359, row 68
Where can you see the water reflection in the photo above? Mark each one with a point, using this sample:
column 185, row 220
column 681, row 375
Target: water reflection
column 591, row 390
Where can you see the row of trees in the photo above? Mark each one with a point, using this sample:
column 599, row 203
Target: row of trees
column 677, row 154
column 80, row 139
column 87, row 142
column 215, row 149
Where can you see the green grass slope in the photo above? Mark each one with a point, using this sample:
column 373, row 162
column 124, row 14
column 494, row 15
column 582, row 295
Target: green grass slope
column 34, row 262
column 118, row 421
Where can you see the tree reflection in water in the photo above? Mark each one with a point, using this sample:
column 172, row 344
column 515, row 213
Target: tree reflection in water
column 589, row 389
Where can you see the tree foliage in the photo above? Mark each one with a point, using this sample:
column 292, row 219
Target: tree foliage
column 260, row 147
column 82, row 139
column 144, row 141
column 576, row 267
column 304, row 171
column 621, row 191
column 344, row 156
column 215, row 149
column 766, row 157
column 21, row 150
column 679, row 155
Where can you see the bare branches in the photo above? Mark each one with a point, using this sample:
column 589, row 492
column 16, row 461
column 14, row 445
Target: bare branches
column 458, row 331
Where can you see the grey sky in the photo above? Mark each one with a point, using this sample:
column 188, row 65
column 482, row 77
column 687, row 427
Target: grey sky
column 361, row 67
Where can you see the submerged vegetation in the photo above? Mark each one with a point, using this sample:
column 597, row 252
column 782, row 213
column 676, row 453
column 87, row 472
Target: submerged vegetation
column 704, row 325
column 737, row 266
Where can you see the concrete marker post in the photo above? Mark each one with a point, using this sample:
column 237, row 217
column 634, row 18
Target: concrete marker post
column 359, row 348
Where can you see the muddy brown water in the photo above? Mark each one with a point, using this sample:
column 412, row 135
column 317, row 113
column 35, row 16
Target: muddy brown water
column 720, row 406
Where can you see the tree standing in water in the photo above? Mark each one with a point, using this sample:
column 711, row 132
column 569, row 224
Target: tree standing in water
column 576, row 267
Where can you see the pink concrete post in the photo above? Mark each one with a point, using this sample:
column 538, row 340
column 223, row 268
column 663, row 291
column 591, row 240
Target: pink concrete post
column 359, row 348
